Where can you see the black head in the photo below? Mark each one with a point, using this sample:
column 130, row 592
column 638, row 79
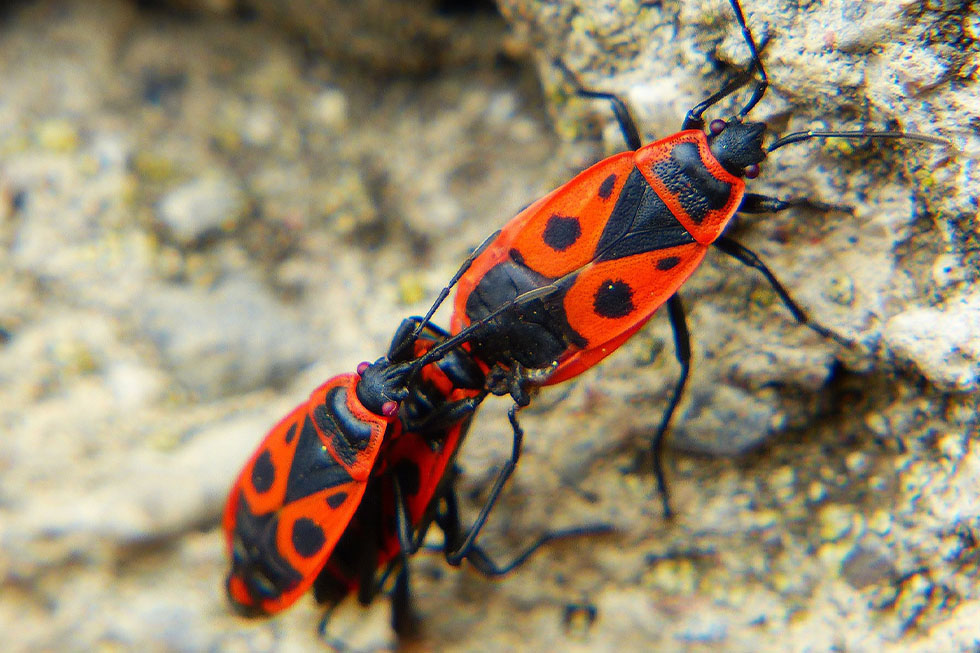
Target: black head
column 382, row 386
column 738, row 146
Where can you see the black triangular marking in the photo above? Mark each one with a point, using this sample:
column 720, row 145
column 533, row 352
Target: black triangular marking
column 313, row 467
column 640, row 222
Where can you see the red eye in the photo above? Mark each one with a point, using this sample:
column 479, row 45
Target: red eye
column 389, row 408
column 752, row 171
column 717, row 126
column 362, row 367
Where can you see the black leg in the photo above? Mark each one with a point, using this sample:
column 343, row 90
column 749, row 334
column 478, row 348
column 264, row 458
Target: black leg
column 322, row 626
column 626, row 123
column 516, row 379
column 371, row 582
column 447, row 515
column 750, row 259
column 449, row 522
column 445, row 415
column 403, row 521
column 460, row 551
column 399, row 349
column 404, row 620
column 693, row 120
column 755, row 203
column 483, row 563
column 682, row 349
column 408, row 542
column 763, row 82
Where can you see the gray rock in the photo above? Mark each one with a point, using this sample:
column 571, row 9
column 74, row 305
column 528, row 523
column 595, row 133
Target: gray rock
column 942, row 343
column 233, row 338
column 864, row 567
column 724, row 421
column 201, row 207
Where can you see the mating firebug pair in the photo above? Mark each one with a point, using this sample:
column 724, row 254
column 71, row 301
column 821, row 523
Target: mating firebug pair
column 347, row 484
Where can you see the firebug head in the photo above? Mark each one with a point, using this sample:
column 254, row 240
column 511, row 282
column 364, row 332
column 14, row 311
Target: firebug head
column 738, row 146
column 382, row 386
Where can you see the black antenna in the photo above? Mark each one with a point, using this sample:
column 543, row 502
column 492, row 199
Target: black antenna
column 410, row 368
column 799, row 137
column 443, row 348
column 443, row 294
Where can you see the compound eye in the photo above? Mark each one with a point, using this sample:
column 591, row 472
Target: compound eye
column 717, row 126
column 752, row 171
column 362, row 368
column 389, row 408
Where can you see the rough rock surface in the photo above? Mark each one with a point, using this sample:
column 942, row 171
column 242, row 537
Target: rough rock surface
column 204, row 215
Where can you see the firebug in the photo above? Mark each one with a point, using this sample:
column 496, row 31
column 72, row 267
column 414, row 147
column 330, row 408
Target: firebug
column 586, row 266
column 346, row 485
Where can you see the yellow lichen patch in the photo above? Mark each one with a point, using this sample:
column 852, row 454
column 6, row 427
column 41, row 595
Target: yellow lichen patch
column 57, row 136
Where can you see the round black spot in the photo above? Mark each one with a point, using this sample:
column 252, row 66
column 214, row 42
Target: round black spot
column 291, row 433
column 613, row 299
column 561, row 232
column 308, row 538
column 263, row 472
column 606, row 188
column 335, row 500
column 668, row 262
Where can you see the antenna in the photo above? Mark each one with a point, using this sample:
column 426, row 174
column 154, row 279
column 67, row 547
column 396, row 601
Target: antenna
column 443, row 294
column 442, row 348
column 799, row 137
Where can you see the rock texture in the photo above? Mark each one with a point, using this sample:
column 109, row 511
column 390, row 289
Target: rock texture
column 206, row 209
